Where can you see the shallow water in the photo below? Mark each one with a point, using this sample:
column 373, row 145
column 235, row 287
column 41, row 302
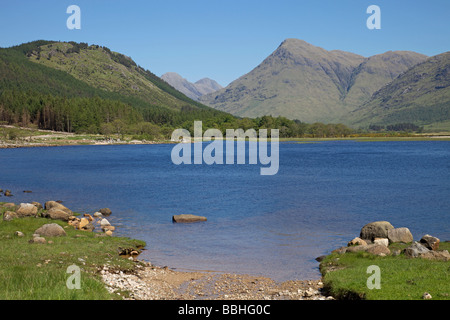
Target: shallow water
column 264, row 225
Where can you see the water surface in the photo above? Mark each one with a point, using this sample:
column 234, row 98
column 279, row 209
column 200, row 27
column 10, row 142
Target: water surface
column 264, row 225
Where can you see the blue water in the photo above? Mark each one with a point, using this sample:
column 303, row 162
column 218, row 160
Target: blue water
column 263, row 225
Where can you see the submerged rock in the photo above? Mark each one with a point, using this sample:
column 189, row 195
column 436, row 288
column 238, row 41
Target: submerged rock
column 185, row 218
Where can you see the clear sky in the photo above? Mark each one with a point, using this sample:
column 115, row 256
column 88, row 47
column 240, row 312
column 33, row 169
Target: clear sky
column 223, row 40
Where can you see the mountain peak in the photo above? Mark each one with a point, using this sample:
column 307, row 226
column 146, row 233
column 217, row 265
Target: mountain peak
column 192, row 90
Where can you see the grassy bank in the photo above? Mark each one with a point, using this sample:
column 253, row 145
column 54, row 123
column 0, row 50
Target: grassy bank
column 402, row 278
column 39, row 271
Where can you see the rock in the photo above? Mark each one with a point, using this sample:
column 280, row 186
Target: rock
column 376, row 249
column 8, row 205
column 89, row 227
column 357, row 242
column 53, row 204
column 9, row 215
column 430, row 242
column 340, row 250
column 105, row 211
column 89, row 217
column 26, row 210
column 426, row 296
column 56, row 214
column 83, row 222
column 109, row 233
column 414, row 250
column 104, row 223
column 400, row 235
column 111, row 228
column 436, row 255
column 98, row 215
column 38, row 240
column 381, row 241
column 50, row 230
column 377, row 229
column 27, row 191
column 7, row 193
column 379, row 250
column 187, row 218
column 320, row 258
column 19, row 234
column 37, row 205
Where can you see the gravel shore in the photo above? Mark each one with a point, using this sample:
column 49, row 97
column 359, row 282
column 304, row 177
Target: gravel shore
column 148, row 282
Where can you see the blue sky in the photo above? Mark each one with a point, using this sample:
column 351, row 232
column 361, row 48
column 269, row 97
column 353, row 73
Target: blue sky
column 223, row 40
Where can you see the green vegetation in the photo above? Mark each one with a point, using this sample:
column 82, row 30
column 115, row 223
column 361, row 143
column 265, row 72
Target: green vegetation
column 38, row 271
column 345, row 276
column 421, row 96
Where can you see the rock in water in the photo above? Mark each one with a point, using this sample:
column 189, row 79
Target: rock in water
column 400, row 235
column 187, row 218
column 377, row 229
column 50, row 230
column 105, row 211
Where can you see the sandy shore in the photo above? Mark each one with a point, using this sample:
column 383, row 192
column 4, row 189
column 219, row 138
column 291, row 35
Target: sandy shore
column 148, row 282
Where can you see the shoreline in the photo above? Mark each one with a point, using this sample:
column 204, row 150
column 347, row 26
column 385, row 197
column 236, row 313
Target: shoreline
column 144, row 281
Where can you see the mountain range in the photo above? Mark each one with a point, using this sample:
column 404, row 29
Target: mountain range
column 305, row 82
column 192, row 90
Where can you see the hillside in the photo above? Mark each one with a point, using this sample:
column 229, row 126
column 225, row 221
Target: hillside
column 305, row 82
column 421, row 96
column 192, row 90
column 84, row 87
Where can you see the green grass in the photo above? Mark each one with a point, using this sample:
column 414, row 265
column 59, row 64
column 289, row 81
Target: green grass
column 345, row 276
column 38, row 271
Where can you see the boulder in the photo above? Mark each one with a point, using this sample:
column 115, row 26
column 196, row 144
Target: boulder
column 89, row 227
column 9, row 215
column 19, row 234
column 377, row 229
column 430, row 242
column 187, row 218
column 26, row 210
column 37, row 205
column 56, row 214
column 357, row 242
column 379, row 250
column 415, row 249
column 105, row 211
column 381, row 241
column 50, row 230
column 7, row 193
column 104, row 223
column 400, row 235
column 436, row 255
column 53, row 204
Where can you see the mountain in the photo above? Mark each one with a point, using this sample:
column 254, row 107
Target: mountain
column 76, row 87
column 192, row 90
column 305, row 82
column 421, row 96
